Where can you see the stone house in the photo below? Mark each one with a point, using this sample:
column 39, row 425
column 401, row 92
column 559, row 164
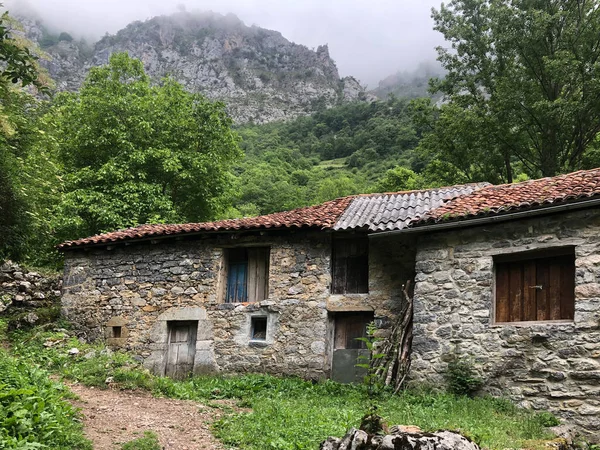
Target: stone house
column 508, row 276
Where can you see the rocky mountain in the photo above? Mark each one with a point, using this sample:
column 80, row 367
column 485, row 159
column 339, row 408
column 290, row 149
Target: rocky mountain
column 259, row 74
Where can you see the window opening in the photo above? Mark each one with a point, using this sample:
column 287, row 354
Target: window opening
column 350, row 268
column 258, row 329
column 247, row 274
column 116, row 332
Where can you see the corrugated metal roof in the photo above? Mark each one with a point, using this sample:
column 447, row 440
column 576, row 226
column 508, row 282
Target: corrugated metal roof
column 394, row 211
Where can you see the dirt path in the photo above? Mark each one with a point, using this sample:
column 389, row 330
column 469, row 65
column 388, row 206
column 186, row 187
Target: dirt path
column 113, row 417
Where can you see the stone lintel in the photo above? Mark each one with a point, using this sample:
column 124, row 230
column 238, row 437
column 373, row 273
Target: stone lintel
column 349, row 303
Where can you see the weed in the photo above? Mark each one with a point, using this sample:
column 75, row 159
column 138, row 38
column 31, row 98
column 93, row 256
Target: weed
column 148, row 442
column 33, row 413
column 461, row 377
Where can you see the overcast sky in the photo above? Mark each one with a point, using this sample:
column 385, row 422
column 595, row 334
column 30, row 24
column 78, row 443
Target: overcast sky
column 368, row 39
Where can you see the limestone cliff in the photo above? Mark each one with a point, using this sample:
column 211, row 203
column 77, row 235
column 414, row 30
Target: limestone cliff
column 259, row 74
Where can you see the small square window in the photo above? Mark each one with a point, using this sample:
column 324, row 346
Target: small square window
column 116, row 332
column 258, row 329
column 535, row 286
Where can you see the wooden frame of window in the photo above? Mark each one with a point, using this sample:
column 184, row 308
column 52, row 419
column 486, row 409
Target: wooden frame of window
column 535, row 287
column 350, row 265
column 246, row 274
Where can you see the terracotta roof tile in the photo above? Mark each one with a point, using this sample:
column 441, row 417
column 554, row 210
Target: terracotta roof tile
column 495, row 200
column 323, row 216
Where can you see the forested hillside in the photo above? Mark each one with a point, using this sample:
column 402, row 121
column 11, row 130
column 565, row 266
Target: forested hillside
column 335, row 152
column 127, row 148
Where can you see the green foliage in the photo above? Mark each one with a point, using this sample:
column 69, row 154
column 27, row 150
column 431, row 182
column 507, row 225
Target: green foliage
column 521, row 88
column 288, row 413
column 333, row 153
column 33, row 412
column 371, row 422
column 136, row 153
column 24, row 165
column 462, row 378
column 148, row 442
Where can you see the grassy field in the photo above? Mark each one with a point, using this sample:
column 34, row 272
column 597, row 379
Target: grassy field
column 286, row 413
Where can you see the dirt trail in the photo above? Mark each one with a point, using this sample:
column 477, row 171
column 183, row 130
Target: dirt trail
column 113, row 417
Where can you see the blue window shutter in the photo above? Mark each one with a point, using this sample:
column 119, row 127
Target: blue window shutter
column 236, row 282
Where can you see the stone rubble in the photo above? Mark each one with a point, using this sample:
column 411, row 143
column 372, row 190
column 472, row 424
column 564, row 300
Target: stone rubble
column 400, row 440
column 22, row 290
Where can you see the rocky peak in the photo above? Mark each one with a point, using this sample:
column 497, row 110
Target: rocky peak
column 258, row 73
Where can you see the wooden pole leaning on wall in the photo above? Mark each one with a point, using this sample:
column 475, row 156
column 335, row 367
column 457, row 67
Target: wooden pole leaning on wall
column 392, row 369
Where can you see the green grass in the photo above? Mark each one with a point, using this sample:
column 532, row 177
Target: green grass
column 339, row 163
column 288, row 413
column 148, row 442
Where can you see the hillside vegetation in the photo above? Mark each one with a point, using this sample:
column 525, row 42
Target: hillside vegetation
column 335, row 152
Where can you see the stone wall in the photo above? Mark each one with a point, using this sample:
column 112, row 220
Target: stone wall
column 141, row 287
column 544, row 366
column 27, row 298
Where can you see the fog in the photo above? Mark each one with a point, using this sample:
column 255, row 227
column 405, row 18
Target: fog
column 368, row 39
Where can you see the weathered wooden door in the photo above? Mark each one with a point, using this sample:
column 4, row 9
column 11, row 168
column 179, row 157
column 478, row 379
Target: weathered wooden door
column 348, row 350
column 181, row 349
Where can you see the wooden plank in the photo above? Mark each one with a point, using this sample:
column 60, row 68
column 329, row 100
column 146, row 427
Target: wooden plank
column 529, row 293
column 516, row 292
column 253, row 264
column 553, row 294
column 543, row 304
column 567, row 288
column 502, row 291
column 258, row 269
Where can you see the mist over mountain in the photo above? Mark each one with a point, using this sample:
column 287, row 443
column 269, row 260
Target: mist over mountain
column 259, row 74
column 367, row 40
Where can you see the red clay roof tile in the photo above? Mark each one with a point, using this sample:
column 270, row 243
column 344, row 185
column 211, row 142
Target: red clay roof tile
column 322, row 216
column 494, row 200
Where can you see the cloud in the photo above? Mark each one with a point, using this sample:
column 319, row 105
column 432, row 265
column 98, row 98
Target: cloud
column 368, row 39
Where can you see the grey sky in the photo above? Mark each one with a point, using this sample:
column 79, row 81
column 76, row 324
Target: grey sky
column 369, row 39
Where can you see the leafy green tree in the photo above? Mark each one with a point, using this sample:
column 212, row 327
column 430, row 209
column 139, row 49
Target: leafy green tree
column 137, row 153
column 522, row 85
column 19, row 137
column 400, row 179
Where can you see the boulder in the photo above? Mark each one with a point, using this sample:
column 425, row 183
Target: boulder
column 400, row 440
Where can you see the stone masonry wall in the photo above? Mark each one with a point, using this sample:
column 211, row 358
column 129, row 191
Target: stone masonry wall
column 543, row 366
column 141, row 287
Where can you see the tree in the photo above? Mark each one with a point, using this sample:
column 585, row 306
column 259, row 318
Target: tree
column 19, row 136
column 522, row 83
column 137, row 153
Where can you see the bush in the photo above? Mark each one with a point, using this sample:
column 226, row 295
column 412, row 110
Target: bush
column 461, row 378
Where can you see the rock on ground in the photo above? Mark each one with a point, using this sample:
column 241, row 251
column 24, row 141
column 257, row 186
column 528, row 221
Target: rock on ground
column 401, row 440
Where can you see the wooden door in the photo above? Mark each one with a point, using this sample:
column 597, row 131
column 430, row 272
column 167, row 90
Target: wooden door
column 348, row 350
column 181, row 349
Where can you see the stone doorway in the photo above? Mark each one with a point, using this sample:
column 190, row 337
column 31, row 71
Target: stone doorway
column 181, row 348
column 347, row 349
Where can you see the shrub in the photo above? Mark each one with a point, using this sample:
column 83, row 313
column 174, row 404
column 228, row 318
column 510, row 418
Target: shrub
column 461, row 377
